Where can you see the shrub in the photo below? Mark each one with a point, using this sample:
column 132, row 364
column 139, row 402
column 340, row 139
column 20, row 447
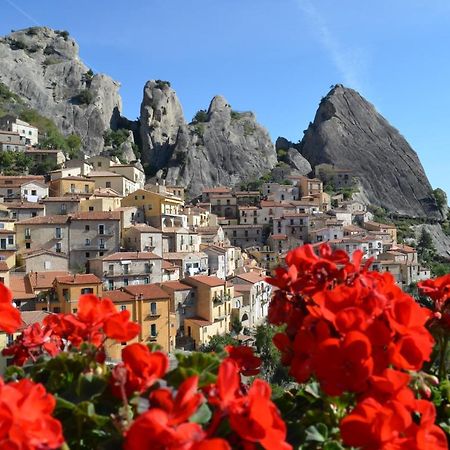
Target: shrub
column 162, row 84
column 85, row 97
column 200, row 116
column 63, row 33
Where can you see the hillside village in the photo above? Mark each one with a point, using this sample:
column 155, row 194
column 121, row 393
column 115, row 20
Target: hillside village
column 186, row 270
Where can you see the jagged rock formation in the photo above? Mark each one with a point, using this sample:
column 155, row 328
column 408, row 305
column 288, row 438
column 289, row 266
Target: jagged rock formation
column 293, row 157
column 43, row 67
column 224, row 147
column 348, row 132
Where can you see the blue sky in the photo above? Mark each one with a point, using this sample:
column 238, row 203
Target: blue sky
column 274, row 57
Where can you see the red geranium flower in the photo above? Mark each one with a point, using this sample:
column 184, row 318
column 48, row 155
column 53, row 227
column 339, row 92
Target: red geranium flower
column 248, row 363
column 143, row 368
column 25, row 417
column 10, row 319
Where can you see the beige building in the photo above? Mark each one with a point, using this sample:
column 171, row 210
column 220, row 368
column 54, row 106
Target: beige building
column 110, row 180
column 61, row 205
column 93, row 235
column 127, row 268
column 10, row 185
column 213, row 309
column 143, row 238
column 42, row 259
column 28, row 133
column 178, row 239
column 45, row 232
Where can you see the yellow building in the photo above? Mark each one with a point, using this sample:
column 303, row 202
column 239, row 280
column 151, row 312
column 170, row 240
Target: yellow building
column 102, row 200
column 69, row 288
column 157, row 209
column 153, row 315
column 214, row 303
column 71, row 185
column 149, row 306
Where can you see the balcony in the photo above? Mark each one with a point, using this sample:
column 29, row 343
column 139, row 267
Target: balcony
column 220, row 318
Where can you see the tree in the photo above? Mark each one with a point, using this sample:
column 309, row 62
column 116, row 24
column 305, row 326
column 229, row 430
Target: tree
column 441, row 198
column 236, row 325
column 425, row 247
column 73, row 142
column 217, row 343
column 271, row 370
column 85, row 97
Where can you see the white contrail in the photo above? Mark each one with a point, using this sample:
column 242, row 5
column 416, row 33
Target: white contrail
column 24, row 13
column 344, row 61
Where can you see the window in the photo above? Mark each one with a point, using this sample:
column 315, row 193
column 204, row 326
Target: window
column 75, row 310
column 125, row 281
column 126, row 268
column 153, row 310
column 72, row 188
column 87, row 291
column 110, row 285
column 25, row 191
column 27, row 245
column 58, row 233
column 86, row 228
column 63, row 208
column 88, row 255
column 148, row 268
column 66, row 294
column 111, row 269
column 58, row 247
column 101, row 229
column 86, row 188
column 33, row 192
column 123, row 307
column 153, row 330
column 101, row 244
column 108, row 184
column 87, row 242
column 10, row 240
column 34, row 214
column 91, row 208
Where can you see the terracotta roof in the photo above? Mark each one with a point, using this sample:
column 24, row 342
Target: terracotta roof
column 143, row 228
column 105, row 192
column 44, row 220
column 148, row 291
column 31, row 317
column 20, row 288
column 118, row 296
column 176, row 286
column 251, row 277
column 44, row 280
column 60, row 199
column 216, row 189
column 199, row 321
column 96, row 215
column 166, row 265
column 16, row 181
column 205, row 279
column 79, row 278
column 42, row 251
column 24, row 205
column 279, row 237
column 243, row 287
column 118, row 256
column 74, row 178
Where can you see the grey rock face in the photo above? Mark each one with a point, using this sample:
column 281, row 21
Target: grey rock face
column 348, row 132
column 294, row 158
column 225, row 149
column 43, row 67
column 440, row 240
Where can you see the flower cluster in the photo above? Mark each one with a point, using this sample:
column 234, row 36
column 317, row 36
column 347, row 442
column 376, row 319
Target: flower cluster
column 96, row 320
column 248, row 414
column 347, row 326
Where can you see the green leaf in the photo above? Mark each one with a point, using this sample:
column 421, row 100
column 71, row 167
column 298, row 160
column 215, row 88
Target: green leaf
column 317, row 433
column 202, row 416
column 204, row 365
column 332, row 445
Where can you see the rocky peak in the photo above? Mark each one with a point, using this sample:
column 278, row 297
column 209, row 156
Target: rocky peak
column 220, row 147
column 348, row 132
column 43, row 67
